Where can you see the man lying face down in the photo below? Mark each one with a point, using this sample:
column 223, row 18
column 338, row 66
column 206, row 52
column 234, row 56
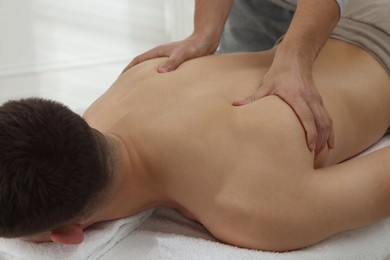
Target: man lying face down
column 176, row 140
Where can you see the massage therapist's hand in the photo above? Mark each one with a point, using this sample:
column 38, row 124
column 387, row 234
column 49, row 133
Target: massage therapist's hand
column 178, row 52
column 209, row 21
column 292, row 81
column 290, row 75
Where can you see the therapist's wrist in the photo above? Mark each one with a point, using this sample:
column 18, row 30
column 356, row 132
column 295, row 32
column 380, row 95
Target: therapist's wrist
column 209, row 34
column 297, row 55
column 205, row 38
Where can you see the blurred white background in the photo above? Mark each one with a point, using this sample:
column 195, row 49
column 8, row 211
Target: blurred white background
column 72, row 50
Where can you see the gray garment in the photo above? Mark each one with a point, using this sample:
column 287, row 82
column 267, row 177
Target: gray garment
column 254, row 25
column 291, row 4
column 367, row 25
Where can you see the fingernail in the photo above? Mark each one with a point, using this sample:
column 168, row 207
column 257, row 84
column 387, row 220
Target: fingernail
column 163, row 69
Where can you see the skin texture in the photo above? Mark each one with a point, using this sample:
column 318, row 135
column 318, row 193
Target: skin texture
column 245, row 172
column 290, row 75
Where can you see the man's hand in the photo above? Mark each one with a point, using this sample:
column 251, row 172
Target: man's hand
column 178, row 52
column 294, row 83
column 209, row 21
column 290, row 75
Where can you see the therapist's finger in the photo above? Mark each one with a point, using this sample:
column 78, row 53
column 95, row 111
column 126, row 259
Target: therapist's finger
column 174, row 61
column 260, row 93
column 307, row 118
column 323, row 124
column 324, row 128
column 171, row 64
column 331, row 137
column 151, row 54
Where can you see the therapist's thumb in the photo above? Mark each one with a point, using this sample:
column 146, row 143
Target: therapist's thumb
column 170, row 65
column 260, row 93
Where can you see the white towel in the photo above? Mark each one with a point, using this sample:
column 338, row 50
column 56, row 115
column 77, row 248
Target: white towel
column 97, row 241
column 167, row 235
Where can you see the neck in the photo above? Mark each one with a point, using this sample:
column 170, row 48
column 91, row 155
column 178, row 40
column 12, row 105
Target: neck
column 134, row 189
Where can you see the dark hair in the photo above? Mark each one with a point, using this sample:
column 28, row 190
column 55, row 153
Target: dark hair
column 51, row 166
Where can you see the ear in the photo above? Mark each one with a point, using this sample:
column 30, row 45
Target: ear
column 70, row 234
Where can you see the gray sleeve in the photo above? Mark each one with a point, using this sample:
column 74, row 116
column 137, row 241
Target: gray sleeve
column 343, row 5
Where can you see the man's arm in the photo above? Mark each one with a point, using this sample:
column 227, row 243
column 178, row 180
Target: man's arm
column 210, row 18
column 290, row 76
column 313, row 22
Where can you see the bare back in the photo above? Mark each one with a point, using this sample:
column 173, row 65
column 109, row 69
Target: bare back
column 222, row 164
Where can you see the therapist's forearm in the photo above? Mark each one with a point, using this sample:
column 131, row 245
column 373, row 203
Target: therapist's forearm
column 210, row 17
column 313, row 22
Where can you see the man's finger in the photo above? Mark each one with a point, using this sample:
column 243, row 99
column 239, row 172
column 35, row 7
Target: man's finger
column 170, row 65
column 143, row 57
column 306, row 117
column 322, row 123
column 327, row 131
column 331, row 137
column 126, row 69
column 323, row 135
column 174, row 61
column 260, row 93
column 136, row 61
column 151, row 54
column 244, row 101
